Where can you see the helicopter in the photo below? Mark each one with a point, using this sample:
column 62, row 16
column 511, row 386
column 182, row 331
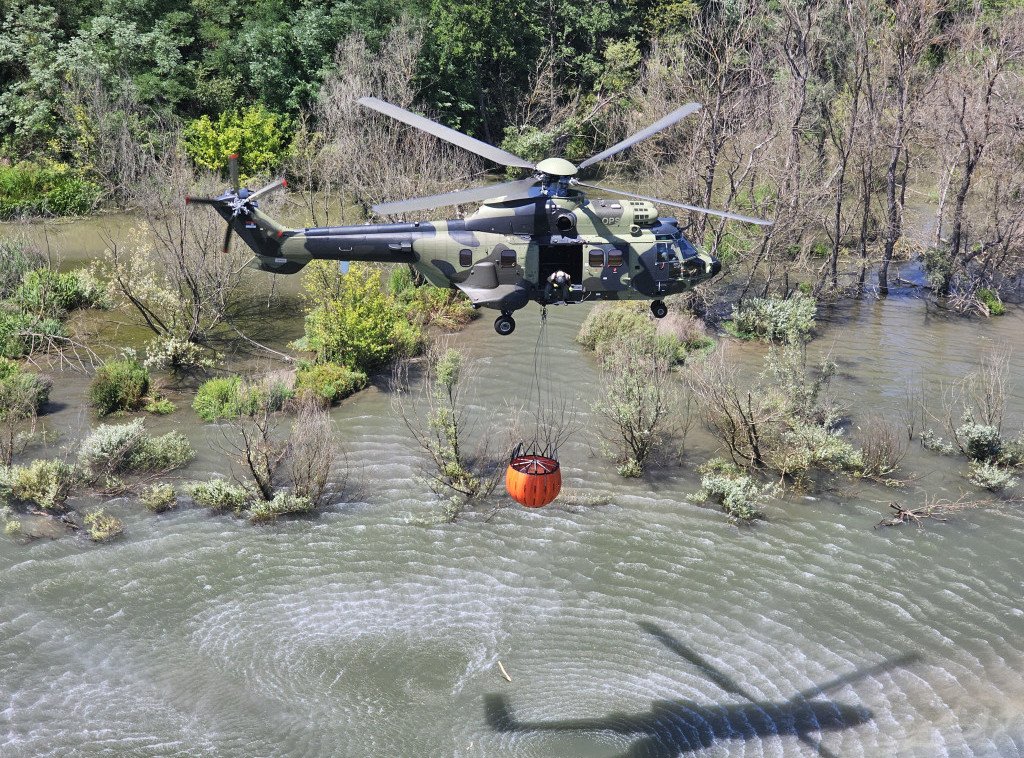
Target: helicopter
column 526, row 233
column 673, row 728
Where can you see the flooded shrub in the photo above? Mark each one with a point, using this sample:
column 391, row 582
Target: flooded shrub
column 775, row 319
column 102, row 527
column 12, row 526
column 176, row 354
column 160, row 497
column 56, row 293
column 328, row 382
column 990, row 299
column 811, row 446
column 23, row 333
column 46, row 483
column 980, row 442
column 113, row 450
column 22, row 389
column 429, row 306
column 353, row 321
column 738, row 493
column 261, row 511
column 160, row 406
column 219, row 495
column 231, row 397
column 990, row 476
column 17, row 258
column 629, row 323
column 119, row 386
column 883, row 445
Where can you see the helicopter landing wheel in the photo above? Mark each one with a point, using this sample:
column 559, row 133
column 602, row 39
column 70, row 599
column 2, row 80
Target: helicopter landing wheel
column 659, row 309
column 504, row 324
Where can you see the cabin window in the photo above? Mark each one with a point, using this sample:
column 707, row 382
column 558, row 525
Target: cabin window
column 615, row 257
column 465, row 257
column 596, row 258
column 508, row 258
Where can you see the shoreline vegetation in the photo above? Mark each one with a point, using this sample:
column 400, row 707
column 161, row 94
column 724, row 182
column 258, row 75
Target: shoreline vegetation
column 879, row 109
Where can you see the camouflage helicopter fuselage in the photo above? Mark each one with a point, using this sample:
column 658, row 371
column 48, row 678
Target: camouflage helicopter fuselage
column 502, row 255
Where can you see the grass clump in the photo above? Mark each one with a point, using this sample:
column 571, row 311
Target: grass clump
column 426, row 306
column 102, row 527
column 774, row 319
column 219, row 495
column 118, row 386
column 737, row 492
column 991, row 301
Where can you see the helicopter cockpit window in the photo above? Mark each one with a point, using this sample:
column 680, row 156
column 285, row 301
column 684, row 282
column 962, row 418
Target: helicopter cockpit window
column 507, row 259
column 666, row 252
column 615, row 257
column 596, row 258
column 465, row 257
column 687, row 249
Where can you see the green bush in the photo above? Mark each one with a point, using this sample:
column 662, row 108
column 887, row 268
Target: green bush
column 102, row 527
column 36, row 190
column 775, row 319
column 739, row 495
column 45, row 483
column 23, row 333
column 160, row 497
column 22, row 392
column 55, row 293
column 992, row 302
column 328, row 382
column 260, row 138
column 630, row 323
column 261, row 511
column 990, row 476
column 113, row 450
column 353, row 322
column 119, row 386
column 219, row 495
column 16, row 260
column 231, row 397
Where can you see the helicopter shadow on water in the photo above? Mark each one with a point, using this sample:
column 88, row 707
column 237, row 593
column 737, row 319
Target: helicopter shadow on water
column 673, row 728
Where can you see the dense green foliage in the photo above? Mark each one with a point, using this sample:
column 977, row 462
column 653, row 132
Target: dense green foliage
column 774, row 319
column 671, row 337
column 231, row 397
column 52, row 190
column 328, row 382
column 353, row 321
column 119, row 385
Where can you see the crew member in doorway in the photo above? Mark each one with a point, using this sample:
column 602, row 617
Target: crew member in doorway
column 558, row 287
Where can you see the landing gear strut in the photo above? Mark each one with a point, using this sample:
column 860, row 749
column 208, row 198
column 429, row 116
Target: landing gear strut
column 504, row 324
column 659, row 309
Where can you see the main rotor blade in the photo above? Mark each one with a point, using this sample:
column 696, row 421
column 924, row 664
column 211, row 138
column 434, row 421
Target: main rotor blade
column 490, row 152
column 227, row 240
column 268, row 188
column 695, row 208
column 841, row 681
column 233, row 168
column 477, row 194
column 679, row 113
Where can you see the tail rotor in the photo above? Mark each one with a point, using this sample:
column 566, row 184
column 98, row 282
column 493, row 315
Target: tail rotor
column 237, row 201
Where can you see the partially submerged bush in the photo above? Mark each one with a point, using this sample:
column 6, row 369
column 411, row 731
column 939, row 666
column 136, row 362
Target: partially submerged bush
column 44, row 483
column 990, row 476
column 219, row 495
column 54, row 293
column 328, row 382
column 23, row 333
column 160, row 497
column 119, row 385
column 775, row 319
column 631, row 324
column 21, row 389
column 125, row 449
column 737, row 492
column 176, row 354
column 103, row 527
column 231, row 397
column 261, row 511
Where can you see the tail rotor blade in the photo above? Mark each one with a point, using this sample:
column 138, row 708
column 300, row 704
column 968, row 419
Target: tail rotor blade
column 233, row 168
column 200, row 200
column 227, row 240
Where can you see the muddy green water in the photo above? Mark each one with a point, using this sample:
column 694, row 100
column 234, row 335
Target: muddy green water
column 647, row 626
